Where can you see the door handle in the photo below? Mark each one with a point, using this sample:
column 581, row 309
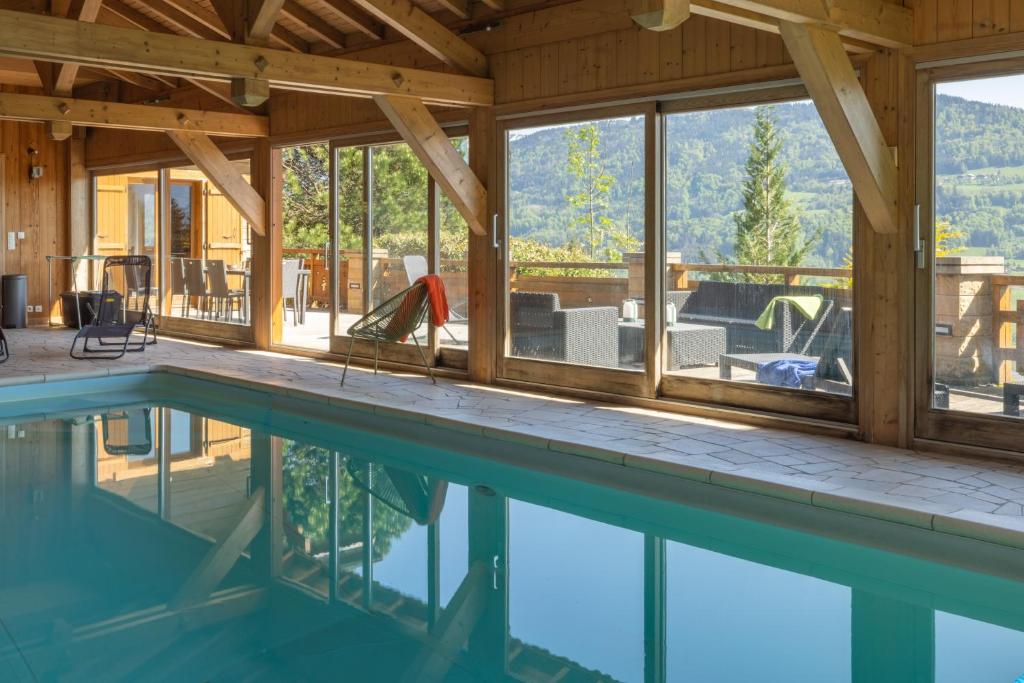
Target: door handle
column 495, row 242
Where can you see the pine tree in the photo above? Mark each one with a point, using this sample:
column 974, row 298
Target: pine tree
column 768, row 231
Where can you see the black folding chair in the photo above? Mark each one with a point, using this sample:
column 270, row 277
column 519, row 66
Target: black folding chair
column 119, row 314
column 4, row 354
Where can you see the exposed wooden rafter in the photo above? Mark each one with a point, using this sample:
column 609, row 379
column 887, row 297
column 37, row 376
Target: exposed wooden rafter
column 360, row 20
column 408, row 19
column 873, row 21
column 53, row 39
column 64, row 78
column 129, row 116
column 459, row 8
column 449, row 170
column 225, row 177
column 496, row 5
column 322, row 29
column 832, row 82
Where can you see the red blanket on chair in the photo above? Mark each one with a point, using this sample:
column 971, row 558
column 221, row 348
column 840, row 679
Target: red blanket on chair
column 438, row 299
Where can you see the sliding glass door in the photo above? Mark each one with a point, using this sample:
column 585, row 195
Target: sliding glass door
column 390, row 227
column 970, row 284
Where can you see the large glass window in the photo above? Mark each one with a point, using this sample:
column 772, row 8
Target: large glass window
column 759, row 247
column 575, row 223
column 127, row 219
column 978, row 242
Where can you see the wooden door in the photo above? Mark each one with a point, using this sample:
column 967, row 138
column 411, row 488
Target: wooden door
column 111, row 230
column 224, row 228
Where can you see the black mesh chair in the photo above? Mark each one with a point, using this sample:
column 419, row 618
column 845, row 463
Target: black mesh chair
column 414, row 495
column 119, row 314
column 393, row 321
column 4, row 354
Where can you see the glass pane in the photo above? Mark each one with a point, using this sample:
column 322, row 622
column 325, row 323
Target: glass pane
column 454, row 267
column 306, row 244
column 759, row 240
column 733, row 620
column 575, row 225
column 576, row 589
column 210, row 481
column 398, row 222
column 127, row 464
column 307, row 514
column 979, row 267
column 210, row 250
column 351, row 219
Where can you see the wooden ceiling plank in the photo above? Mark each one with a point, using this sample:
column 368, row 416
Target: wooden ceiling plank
column 323, row 30
column 182, row 21
column 102, row 114
column 408, row 19
column 496, row 5
column 134, row 16
column 142, row 81
column 832, row 82
column 284, row 38
column 35, row 36
column 428, row 141
column 222, row 91
column 224, row 175
column 363, row 22
column 663, row 15
column 210, row 20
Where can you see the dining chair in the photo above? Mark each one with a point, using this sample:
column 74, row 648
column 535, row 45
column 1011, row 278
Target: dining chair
column 290, row 282
column 178, row 284
column 195, row 285
column 222, row 296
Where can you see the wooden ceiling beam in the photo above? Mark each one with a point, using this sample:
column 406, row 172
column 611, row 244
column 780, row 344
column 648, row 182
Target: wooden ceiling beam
column 99, row 114
column 222, row 91
column 140, row 80
column 323, row 30
column 428, row 141
column 224, row 175
column 184, row 22
column 202, row 16
column 133, row 16
column 496, row 5
column 60, row 40
column 360, row 20
column 832, row 82
column 873, row 21
column 408, row 19
column 262, row 17
column 64, row 74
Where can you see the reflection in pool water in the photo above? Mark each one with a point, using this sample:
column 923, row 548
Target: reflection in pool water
column 156, row 544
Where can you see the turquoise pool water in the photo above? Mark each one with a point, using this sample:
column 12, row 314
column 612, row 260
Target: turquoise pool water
column 150, row 541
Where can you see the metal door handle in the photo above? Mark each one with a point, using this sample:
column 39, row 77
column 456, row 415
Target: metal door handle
column 495, row 242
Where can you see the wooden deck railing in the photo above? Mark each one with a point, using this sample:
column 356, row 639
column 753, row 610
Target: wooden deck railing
column 1007, row 324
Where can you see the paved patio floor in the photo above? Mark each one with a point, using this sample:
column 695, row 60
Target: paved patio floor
column 972, row 497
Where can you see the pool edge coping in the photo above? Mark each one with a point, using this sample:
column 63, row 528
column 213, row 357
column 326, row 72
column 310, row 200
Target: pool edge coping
column 981, row 526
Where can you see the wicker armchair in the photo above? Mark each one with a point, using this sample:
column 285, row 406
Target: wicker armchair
column 542, row 329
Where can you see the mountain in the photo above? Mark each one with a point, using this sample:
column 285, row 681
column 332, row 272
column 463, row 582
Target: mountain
column 979, row 155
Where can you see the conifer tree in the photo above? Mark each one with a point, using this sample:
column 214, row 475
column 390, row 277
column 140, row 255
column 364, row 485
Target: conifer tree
column 768, row 230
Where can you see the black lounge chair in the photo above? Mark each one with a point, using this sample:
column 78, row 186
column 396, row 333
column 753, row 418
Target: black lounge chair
column 4, row 353
column 120, row 311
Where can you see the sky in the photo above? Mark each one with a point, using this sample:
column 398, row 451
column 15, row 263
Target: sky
column 1008, row 90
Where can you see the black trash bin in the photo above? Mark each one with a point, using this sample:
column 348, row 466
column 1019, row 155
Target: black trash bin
column 15, row 301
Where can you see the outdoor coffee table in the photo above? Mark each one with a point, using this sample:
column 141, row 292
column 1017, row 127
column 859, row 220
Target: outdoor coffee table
column 690, row 345
column 750, row 361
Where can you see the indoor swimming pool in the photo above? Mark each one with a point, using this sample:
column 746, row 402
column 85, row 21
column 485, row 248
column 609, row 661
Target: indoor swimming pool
column 149, row 539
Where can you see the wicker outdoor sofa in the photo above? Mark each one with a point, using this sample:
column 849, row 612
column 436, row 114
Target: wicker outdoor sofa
column 542, row 329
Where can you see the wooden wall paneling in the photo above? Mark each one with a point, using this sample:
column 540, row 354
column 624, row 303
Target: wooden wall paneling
column 670, row 54
column 955, row 20
column 514, row 74
column 586, row 71
column 625, row 56
column 605, row 60
column 567, row 56
column 742, row 47
column 1017, row 16
column 990, row 17
column 925, row 21
column 695, row 54
column 549, row 70
column 647, row 57
column 719, row 38
column 532, row 73
column 499, row 72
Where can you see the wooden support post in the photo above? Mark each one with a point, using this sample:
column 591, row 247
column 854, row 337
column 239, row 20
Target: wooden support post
column 223, row 556
column 482, row 260
column 663, row 15
column 266, row 249
column 831, row 80
column 58, row 130
column 249, row 92
column 79, row 223
column 424, row 136
column 225, row 177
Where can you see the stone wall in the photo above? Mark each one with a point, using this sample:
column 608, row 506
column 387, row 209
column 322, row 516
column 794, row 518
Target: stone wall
column 963, row 306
